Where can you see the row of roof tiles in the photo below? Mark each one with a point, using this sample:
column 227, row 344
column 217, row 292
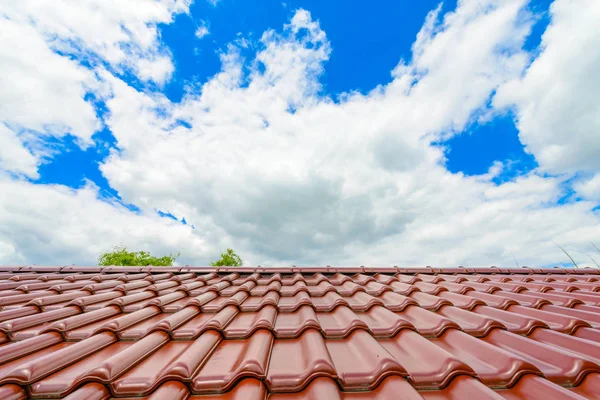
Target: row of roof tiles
column 211, row 364
column 275, row 334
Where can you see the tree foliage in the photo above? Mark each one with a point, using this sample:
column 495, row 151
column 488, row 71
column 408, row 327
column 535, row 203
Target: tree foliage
column 228, row 259
column 121, row 257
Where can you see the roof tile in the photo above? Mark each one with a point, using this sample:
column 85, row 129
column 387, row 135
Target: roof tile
column 233, row 360
column 428, row 365
column 299, row 333
column 340, row 322
column 361, row 362
column 294, row 363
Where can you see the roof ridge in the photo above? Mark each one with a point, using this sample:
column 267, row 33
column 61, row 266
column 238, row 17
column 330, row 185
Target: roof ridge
column 295, row 269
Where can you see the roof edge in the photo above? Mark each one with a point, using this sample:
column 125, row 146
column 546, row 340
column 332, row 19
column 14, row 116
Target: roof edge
column 308, row 269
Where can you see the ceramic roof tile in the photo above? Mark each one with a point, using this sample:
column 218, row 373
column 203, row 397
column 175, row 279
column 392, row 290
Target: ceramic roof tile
column 175, row 358
column 246, row 389
column 233, row 360
column 329, row 302
column 494, row 366
column 361, row 362
column 340, row 322
column 292, row 324
column 255, row 303
column 298, row 333
column 203, row 322
column 470, row 322
column 383, row 323
column 588, row 333
column 558, row 365
column 535, row 388
column 427, row 323
column 589, row 388
column 246, row 323
column 558, row 322
column 463, row 387
column 292, row 303
column 294, row 363
column 429, row 366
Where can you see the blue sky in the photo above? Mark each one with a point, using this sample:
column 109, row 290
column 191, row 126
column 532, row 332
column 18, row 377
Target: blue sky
column 361, row 59
column 473, row 118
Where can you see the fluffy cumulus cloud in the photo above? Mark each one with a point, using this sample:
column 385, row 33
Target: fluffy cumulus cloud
column 557, row 98
column 258, row 158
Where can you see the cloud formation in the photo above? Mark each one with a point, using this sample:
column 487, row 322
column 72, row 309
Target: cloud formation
column 264, row 162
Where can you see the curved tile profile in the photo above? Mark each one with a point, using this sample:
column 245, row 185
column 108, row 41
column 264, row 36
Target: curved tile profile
column 299, row 333
column 246, row 323
column 361, row 301
column 560, row 366
column 12, row 392
column 295, row 362
column 319, row 388
column 66, row 379
column 16, row 350
column 427, row 323
column 472, row 323
column 494, row 366
column 536, row 388
column 361, row 362
column 90, row 391
column 429, row 366
column 172, row 390
column 255, row 303
column 329, row 302
column 340, row 322
column 558, row 322
column 513, row 322
column 461, row 301
column 292, row 324
column 233, row 360
column 292, row 303
column 589, row 388
column 383, row 323
column 429, row 302
column 203, row 322
column 588, row 349
column 396, row 302
column 247, row 389
column 462, row 388
column 55, row 359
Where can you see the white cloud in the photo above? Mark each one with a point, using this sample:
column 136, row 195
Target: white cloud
column 329, row 182
column 202, row 31
column 52, row 223
column 269, row 166
column 121, row 33
column 14, row 157
column 557, row 98
column 589, row 188
column 41, row 90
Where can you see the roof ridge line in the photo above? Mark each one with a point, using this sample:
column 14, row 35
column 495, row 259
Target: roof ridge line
column 296, row 269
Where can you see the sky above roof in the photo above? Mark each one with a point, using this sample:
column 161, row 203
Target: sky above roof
column 301, row 132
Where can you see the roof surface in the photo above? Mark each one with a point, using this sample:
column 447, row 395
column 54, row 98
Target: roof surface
column 299, row 333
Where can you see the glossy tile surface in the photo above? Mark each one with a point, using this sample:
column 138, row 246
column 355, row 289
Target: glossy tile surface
column 299, row 333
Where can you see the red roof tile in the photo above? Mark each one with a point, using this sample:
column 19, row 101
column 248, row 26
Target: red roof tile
column 299, row 333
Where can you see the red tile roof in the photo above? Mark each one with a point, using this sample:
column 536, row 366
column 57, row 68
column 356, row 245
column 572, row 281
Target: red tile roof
column 299, row 333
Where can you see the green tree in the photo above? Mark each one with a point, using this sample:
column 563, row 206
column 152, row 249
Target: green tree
column 228, row 259
column 121, row 257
